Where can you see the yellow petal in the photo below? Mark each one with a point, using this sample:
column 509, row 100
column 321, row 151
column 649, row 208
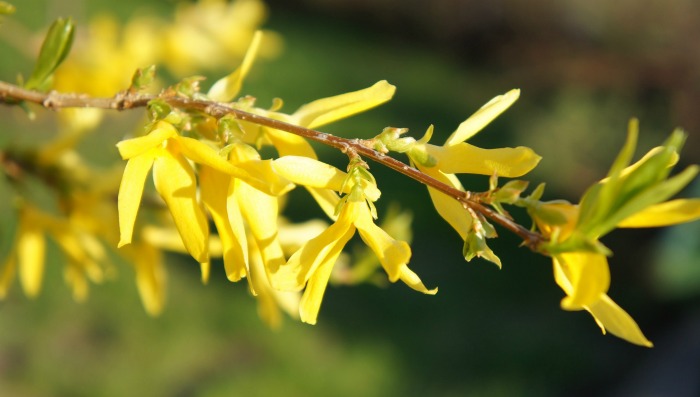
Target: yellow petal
column 304, row 262
column 328, row 110
column 201, row 153
column 261, row 210
column 412, row 280
column 584, row 276
column 262, row 175
column 309, row 172
column 174, row 180
column 225, row 89
column 270, row 301
column 150, row 277
column 664, row 214
column 130, row 193
column 447, row 207
column 214, row 188
column 610, row 317
column 31, row 249
column 477, row 121
column 136, row 146
column 313, row 294
column 463, row 158
column 392, row 254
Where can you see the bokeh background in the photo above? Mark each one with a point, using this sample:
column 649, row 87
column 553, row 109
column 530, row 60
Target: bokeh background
column 584, row 68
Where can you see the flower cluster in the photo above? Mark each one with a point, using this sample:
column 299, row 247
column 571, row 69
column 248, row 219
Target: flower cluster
column 222, row 168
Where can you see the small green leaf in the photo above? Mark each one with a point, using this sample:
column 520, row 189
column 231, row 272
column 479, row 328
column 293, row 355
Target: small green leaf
column 158, row 109
column 653, row 195
column 510, row 192
column 143, row 77
column 475, row 243
column 54, row 50
column 189, row 86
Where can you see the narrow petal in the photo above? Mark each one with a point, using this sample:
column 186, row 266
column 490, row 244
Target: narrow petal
column 477, row 121
column 225, row 89
column 31, row 250
column 328, row 110
column 463, row 158
column 392, row 254
column 665, row 214
column 447, row 207
column 304, row 262
column 310, row 303
column 150, row 278
column 270, row 300
column 174, row 180
column 261, row 210
column 136, row 146
column 412, row 280
column 584, row 276
column 262, row 175
column 310, row 172
column 214, row 187
column 612, row 318
column 130, row 193
column 7, row 275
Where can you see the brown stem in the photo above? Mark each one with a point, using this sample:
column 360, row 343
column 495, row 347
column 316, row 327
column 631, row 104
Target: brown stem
column 11, row 94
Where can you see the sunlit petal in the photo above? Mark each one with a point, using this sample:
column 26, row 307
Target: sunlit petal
column 610, row 317
column 584, row 276
column 316, row 286
column 130, row 193
column 304, row 262
column 412, row 280
column 392, row 254
column 175, row 181
column 477, row 121
column 463, row 158
column 214, row 187
column 136, row 146
column 261, row 210
column 665, row 214
column 328, row 110
column 225, row 89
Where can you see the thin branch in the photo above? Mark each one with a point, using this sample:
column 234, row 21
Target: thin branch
column 12, row 94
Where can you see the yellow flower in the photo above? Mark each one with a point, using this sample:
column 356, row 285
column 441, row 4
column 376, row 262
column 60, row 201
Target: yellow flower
column 585, row 276
column 311, row 265
column 83, row 251
column 168, row 153
column 457, row 156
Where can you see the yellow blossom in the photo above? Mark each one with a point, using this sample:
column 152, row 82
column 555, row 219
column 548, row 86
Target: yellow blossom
column 311, row 265
column 457, row 156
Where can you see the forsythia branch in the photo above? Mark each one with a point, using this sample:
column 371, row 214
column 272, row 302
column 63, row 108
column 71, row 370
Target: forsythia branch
column 125, row 100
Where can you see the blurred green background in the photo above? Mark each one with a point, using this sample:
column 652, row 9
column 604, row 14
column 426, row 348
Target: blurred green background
column 584, row 67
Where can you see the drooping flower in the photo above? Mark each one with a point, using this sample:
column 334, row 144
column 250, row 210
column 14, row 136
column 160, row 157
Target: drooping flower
column 310, row 267
column 168, row 153
column 458, row 157
column 580, row 265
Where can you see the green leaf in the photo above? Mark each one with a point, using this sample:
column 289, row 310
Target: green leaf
column 599, row 198
column 510, row 192
column 143, row 77
column 654, row 195
column 475, row 243
column 54, row 50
